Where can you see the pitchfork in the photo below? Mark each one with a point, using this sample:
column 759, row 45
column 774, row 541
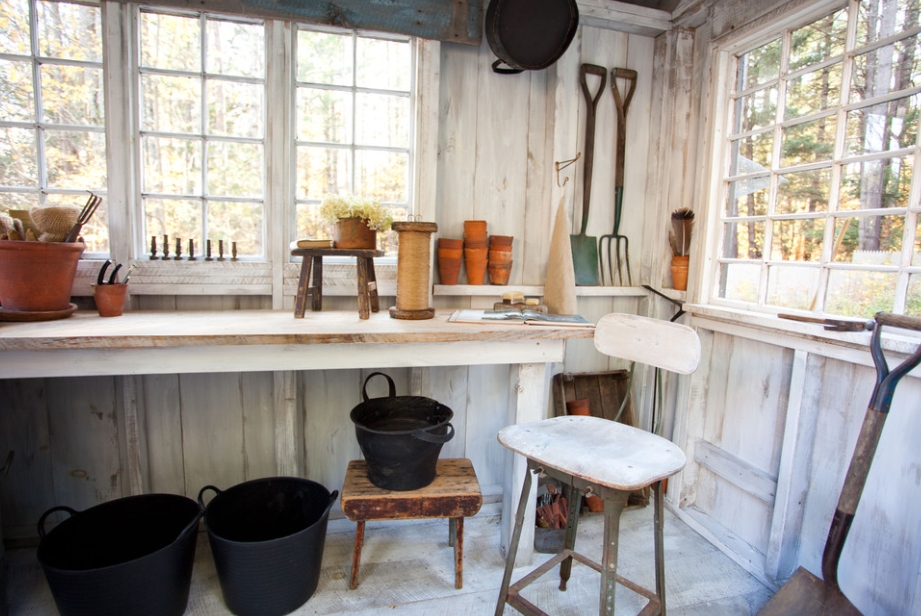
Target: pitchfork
column 620, row 243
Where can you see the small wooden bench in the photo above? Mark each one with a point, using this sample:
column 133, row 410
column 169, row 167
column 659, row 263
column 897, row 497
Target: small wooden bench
column 455, row 494
column 368, row 301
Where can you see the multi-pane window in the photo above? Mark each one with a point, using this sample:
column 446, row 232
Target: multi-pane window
column 818, row 211
column 202, row 130
column 354, row 111
column 52, row 112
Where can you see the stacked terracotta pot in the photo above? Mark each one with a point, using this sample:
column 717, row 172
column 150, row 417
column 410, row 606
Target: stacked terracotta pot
column 450, row 257
column 476, row 247
column 500, row 258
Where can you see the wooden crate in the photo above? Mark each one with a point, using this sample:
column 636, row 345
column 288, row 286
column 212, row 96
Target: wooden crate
column 605, row 392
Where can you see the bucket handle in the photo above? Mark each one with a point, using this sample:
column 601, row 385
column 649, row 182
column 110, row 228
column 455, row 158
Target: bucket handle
column 364, row 388
column 201, row 495
column 41, row 520
column 422, row 435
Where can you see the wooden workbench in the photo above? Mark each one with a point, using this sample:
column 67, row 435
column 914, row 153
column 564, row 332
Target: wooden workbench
column 153, row 342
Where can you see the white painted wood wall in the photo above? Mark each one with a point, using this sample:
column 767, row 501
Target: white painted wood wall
column 768, row 421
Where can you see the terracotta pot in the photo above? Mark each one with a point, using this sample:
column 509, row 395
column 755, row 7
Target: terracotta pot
column 594, row 502
column 476, row 270
column 110, row 299
column 37, row 276
column 476, row 253
column 500, row 248
column 680, row 273
column 449, row 270
column 353, row 233
column 445, row 242
column 500, row 240
column 499, row 274
column 476, row 244
column 475, row 228
column 578, row 407
column 499, row 256
column 450, row 253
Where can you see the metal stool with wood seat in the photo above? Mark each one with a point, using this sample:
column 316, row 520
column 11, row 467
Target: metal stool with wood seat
column 609, row 458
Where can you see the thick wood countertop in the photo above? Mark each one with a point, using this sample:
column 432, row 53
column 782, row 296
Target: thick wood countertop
column 157, row 329
column 171, row 342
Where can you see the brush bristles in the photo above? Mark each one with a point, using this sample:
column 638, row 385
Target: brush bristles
column 679, row 236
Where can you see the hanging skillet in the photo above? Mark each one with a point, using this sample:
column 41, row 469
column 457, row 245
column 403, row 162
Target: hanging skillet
column 529, row 35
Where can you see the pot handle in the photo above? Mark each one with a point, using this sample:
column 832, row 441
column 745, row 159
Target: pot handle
column 364, row 388
column 201, row 494
column 41, row 520
column 497, row 68
column 422, row 435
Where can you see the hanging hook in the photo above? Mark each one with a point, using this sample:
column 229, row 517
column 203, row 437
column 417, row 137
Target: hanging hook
column 560, row 165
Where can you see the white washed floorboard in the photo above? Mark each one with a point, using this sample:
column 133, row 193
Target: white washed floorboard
column 408, row 568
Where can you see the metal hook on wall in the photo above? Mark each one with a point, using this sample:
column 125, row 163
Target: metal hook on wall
column 562, row 164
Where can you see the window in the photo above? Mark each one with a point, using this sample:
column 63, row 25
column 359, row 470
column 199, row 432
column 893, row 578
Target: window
column 354, row 122
column 817, row 209
column 202, row 130
column 214, row 106
column 52, row 118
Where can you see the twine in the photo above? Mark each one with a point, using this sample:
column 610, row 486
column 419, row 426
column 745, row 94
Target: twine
column 413, row 265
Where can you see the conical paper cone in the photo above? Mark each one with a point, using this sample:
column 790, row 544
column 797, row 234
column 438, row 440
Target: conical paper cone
column 560, row 287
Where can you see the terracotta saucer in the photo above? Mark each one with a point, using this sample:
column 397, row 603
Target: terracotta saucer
column 42, row 315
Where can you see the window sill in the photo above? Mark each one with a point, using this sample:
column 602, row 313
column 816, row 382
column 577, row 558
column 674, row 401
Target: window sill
column 467, row 290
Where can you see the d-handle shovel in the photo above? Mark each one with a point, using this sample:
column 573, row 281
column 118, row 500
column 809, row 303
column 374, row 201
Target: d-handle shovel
column 619, row 243
column 584, row 247
column 805, row 594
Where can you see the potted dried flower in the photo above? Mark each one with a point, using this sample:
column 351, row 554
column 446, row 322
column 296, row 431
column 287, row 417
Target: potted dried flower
column 356, row 220
column 679, row 238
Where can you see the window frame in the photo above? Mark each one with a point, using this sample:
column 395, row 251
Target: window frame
column 717, row 179
column 276, row 274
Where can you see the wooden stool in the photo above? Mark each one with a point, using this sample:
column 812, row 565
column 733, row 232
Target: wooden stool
column 368, row 301
column 609, row 458
column 455, row 494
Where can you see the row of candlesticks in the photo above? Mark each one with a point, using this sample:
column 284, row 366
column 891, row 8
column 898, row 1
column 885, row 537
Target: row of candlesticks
column 177, row 253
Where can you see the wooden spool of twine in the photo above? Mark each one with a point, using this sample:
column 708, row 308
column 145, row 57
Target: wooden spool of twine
column 413, row 270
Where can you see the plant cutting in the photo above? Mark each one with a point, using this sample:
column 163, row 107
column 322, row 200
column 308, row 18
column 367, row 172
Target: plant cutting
column 356, row 220
column 679, row 238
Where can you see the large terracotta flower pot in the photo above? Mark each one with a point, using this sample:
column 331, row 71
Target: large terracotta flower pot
column 37, row 277
column 354, row 233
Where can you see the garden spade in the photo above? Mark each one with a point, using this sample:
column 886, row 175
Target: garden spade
column 584, row 247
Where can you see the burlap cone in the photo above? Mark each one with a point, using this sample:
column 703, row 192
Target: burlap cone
column 560, row 288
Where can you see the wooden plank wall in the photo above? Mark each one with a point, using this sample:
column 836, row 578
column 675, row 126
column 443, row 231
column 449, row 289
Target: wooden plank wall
column 496, row 144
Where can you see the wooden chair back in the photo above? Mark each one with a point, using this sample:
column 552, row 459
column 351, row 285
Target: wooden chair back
column 663, row 344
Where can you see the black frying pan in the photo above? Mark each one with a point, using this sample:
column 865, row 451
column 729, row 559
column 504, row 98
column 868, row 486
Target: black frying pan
column 529, row 35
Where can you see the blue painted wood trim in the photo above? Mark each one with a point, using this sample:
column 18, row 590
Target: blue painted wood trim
column 458, row 21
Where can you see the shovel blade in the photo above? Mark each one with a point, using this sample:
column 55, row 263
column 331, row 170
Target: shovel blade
column 585, row 259
column 804, row 594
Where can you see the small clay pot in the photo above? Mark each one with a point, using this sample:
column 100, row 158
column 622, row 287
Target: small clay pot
column 110, row 299
column 450, row 253
column 499, row 256
column 595, row 503
column 476, row 270
column 499, row 274
column 477, row 245
column 449, row 270
column 475, row 227
column 500, row 248
column 578, row 406
column 501, row 240
column 353, row 233
column 445, row 242
column 679, row 267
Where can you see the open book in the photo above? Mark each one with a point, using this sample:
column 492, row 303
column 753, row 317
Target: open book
column 519, row 317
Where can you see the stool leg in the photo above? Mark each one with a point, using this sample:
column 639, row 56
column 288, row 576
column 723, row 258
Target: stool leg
column 300, row 299
column 364, row 300
column 516, row 536
column 574, row 500
column 659, row 520
column 372, row 287
column 613, row 507
column 317, row 287
column 356, row 553
column 459, row 553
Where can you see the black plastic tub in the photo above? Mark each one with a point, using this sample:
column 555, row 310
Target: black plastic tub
column 401, row 437
column 267, row 538
column 133, row 555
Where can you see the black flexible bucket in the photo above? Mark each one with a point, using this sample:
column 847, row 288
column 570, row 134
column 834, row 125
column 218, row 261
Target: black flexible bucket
column 401, row 437
column 267, row 538
column 133, row 555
